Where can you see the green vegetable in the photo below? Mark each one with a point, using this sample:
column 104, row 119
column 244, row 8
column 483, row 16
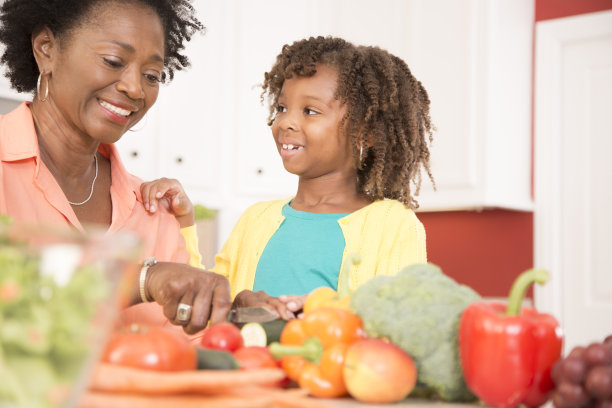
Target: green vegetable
column 253, row 334
column 419, row 310
column 5, row 219
column 262, row 334
column 209, row 359
column 201, row 212
column 46, row 329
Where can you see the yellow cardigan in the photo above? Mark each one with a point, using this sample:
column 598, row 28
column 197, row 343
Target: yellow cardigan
column 385, row 234
column 190, row 235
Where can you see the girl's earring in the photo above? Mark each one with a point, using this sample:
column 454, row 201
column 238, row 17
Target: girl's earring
column 44, row 98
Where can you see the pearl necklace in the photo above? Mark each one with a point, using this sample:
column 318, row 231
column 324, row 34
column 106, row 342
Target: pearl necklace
column 92, row 184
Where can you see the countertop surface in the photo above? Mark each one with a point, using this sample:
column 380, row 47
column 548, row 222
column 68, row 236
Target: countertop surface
column 406, row 403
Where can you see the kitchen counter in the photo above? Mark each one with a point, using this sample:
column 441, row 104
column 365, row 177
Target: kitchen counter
column 406, row 403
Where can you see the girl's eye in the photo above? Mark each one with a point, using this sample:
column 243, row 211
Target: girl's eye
column 113, row 63
column 280, row 109
column 309, row 111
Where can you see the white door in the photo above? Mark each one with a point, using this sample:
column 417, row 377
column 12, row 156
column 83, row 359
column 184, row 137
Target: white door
column 573, row 173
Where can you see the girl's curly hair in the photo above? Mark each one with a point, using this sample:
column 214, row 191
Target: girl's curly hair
column 387, row 111
column 19, row 19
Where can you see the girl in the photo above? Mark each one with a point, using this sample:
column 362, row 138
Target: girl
column 353, row 123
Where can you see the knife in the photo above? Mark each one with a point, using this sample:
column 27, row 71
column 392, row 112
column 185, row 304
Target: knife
column 257, row 314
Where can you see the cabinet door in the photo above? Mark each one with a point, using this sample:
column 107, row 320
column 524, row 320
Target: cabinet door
column 261, row 34
column 473, row 57
column 139, row 147
column 181, row 136
column 196, row 104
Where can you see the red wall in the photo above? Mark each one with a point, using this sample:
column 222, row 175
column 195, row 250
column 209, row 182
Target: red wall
column 487, row 249
column 549, row 9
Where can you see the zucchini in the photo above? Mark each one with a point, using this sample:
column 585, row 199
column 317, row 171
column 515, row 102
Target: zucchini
column 262, row 334
column 215, row 359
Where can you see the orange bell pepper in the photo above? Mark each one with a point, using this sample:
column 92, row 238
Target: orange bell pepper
column 327, row 297
column 312, row 349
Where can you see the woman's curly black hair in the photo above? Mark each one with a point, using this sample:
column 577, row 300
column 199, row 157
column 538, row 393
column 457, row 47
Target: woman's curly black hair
column 387, row 111
column 19, row 19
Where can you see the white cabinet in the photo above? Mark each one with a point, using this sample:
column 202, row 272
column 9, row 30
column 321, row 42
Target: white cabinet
column 475, row 60
column 474, row 57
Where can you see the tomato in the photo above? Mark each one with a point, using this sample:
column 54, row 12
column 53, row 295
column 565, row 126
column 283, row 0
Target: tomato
column 253, row 357
column 153, row 348
column 222, row 336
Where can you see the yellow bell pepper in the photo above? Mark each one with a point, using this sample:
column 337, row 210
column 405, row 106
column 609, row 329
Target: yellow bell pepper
column 327, row 297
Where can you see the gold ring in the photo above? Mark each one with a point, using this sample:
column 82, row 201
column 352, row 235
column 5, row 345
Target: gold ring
column 183, row 313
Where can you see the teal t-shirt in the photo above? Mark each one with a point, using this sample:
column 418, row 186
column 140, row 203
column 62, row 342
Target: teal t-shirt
column 303, row 254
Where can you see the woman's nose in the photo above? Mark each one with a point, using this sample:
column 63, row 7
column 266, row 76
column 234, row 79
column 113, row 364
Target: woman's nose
column 131, row 84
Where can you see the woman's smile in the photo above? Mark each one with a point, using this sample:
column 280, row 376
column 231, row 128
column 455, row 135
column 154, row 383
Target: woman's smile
column 115, row 113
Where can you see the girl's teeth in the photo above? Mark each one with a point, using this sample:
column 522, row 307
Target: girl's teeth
column 291, row 147
column 115, row 109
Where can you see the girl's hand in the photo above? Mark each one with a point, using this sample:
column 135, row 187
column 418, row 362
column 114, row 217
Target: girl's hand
column 294, row 303
column 248, row 298
column 170, row 194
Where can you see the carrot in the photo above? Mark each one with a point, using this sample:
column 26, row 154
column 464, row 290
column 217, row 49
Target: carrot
column 113, row 378
column 268, row 398
column 103, row 400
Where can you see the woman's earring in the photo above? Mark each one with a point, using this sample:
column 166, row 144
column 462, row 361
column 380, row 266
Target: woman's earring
column 44, row 98
column 361, row 154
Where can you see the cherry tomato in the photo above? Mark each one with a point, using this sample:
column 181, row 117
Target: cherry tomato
column 222, row 336
column 153, row 348
column 255, row 357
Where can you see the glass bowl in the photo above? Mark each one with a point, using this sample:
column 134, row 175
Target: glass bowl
column 60, row 293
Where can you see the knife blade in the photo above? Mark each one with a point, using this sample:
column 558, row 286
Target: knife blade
column 257, row 314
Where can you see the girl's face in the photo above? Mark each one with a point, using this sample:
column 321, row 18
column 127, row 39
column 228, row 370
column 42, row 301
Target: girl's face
column 306, row 128
column 106, row 75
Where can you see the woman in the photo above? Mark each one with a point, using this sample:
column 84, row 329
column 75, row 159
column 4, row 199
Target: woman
column 95, row 67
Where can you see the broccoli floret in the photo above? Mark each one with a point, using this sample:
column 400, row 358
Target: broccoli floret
column 419, row 310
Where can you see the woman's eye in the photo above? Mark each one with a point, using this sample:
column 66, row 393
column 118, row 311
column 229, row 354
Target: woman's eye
column 152, row 78
column 113, row 63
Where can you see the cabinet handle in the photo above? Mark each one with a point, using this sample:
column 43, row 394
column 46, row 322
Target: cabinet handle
column 259, row 171
column 134, row 154
column 179, row 160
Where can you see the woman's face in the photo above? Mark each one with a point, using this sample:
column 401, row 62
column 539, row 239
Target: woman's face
column 106, row 72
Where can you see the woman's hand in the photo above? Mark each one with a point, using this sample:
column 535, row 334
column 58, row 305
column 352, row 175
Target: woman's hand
column 248, row 298
column 170, row 194
column 206, row 292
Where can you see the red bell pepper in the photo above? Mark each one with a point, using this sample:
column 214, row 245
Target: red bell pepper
column 507, row 353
